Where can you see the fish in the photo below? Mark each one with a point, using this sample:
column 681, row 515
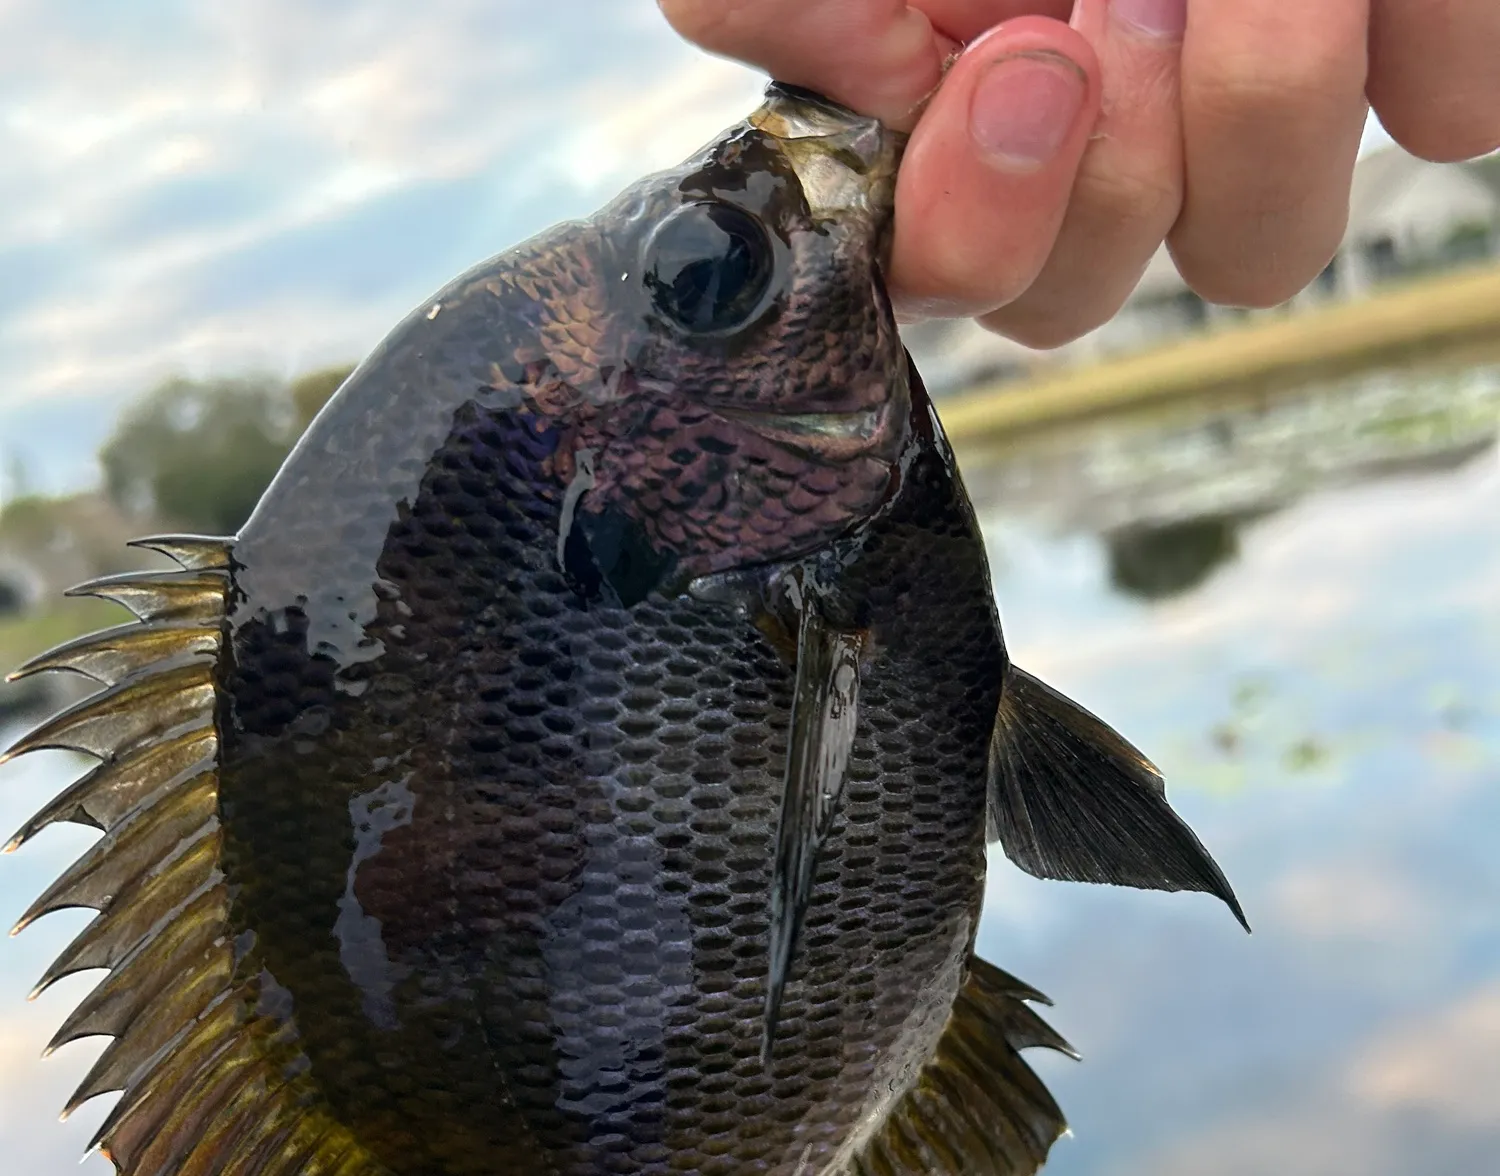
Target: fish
column 584, row 758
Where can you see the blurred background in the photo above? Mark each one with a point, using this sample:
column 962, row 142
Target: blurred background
column 1266, row 546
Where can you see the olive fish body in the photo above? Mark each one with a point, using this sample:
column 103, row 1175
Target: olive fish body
column 583, row 760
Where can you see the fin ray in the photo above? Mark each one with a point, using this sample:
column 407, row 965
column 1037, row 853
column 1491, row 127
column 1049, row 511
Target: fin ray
column 112, row 655
column 193, row 595
column 124, row 717
column 188, row 948
column 129, row 850
column 139, row 1114
column 193, row 552
column 128, row 1061
column 825, row 712
column 185, row 885
column 193, row 1121
column 109, row 792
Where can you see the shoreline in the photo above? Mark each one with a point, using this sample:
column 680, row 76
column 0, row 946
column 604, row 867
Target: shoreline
column 1443, row 318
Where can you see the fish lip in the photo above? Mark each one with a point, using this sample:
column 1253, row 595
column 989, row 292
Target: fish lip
column 846, row 162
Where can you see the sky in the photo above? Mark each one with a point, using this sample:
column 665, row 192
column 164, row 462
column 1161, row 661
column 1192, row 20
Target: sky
column 197, row 189
column 272, row 184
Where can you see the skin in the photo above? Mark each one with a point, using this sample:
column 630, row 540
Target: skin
column 1234, row 141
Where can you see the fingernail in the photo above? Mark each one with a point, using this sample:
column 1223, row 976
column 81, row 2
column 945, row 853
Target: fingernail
column 1157, row 18
column 1024, row 106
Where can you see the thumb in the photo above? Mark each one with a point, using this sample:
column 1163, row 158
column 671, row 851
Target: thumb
column 990, row 168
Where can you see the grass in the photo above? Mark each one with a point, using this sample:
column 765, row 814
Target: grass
column 1403, row 324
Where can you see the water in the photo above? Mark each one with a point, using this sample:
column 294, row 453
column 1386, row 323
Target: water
column 1292, row 609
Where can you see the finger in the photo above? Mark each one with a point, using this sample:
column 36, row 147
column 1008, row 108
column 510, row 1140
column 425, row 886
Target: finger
column 967, row 20
column 880, row 57
column 1129, row 186
column 1273, row 108
column 986, row 177
column 1435, row 75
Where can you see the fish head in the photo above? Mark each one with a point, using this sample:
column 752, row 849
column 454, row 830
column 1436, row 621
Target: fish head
column 725, row 372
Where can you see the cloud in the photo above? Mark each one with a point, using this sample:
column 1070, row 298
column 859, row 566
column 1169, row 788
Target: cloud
column 1446, row 1066
column 1350, row 899
column 203, row 188
column 1417, row 1098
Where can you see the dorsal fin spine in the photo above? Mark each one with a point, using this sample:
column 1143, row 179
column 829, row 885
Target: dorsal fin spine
column 190, row 551
column 114, row 789
column 131, row 849
column 140, row 978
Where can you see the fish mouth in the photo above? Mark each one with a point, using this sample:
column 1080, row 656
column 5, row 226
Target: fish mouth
column 845, row 162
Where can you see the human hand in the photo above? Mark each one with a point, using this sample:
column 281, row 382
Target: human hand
column 1054, row 158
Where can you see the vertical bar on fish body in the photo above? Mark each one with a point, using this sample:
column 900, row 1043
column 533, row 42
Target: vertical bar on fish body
column 825, row 714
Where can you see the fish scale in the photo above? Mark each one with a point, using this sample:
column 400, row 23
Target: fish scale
column 582, row 762
column 593, row 843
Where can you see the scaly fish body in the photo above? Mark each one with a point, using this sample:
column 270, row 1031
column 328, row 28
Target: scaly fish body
column 581, row 762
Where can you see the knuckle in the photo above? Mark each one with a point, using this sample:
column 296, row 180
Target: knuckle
column 1062, row 314
column 1131, row 198
column 1259, row 257
column 1448, row 141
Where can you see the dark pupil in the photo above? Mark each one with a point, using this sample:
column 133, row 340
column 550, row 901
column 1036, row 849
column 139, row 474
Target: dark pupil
column 708, row 267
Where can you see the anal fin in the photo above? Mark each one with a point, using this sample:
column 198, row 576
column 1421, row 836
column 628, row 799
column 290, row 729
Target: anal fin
column 1071, row 799
column 976, row 1108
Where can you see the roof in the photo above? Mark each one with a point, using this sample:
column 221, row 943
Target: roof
column 1383, row 180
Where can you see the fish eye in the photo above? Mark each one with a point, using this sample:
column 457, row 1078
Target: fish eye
column 707, row 266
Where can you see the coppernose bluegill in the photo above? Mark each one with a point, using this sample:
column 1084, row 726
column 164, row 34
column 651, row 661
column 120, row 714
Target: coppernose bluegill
column 582, row 762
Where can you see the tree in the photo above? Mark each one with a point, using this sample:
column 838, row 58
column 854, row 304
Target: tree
column 198, row 454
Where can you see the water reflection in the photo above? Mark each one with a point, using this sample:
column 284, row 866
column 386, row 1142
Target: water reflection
column 1291, row 607
column 1327, row 713
column 1155, row 562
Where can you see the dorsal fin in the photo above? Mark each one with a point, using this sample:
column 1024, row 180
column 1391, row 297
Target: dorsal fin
column 210, row 1085
column 975, row 1109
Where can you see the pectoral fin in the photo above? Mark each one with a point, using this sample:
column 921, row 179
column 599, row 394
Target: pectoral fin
column 825, row 707
column 1069, row 798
